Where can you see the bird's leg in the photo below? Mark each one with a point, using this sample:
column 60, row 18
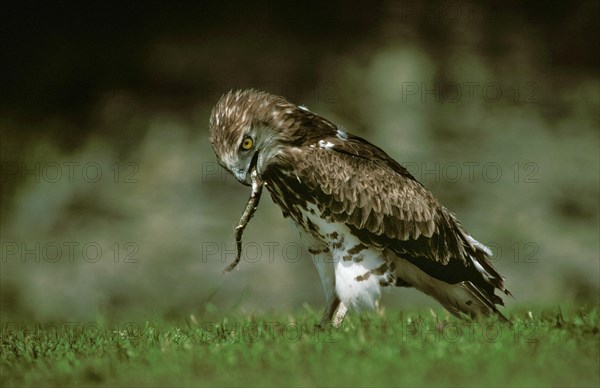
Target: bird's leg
column 340, row 313
column 334, row 313
column 332, row 305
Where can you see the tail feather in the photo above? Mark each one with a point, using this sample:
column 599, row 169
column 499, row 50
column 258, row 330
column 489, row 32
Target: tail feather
column 461, row 299
column 480, row 257
column 464, row 298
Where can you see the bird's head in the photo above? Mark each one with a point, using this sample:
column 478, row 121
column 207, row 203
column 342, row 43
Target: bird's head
column 249, row 128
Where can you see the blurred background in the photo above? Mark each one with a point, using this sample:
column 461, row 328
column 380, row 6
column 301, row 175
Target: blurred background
column 112, row 203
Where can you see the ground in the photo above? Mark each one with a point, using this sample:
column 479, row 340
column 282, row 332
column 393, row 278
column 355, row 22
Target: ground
column 541, row 347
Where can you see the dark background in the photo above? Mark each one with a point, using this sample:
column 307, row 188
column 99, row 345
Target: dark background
column 128, row 89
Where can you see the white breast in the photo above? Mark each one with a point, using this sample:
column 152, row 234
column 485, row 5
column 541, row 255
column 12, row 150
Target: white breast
column 358, row 269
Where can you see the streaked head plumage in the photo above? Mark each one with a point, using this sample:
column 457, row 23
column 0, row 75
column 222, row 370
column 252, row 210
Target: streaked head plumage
column 248, row 127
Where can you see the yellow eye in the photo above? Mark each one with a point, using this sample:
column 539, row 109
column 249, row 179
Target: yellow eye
column 247, row 143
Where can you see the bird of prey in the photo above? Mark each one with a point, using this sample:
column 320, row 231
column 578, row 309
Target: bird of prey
column 365, row 219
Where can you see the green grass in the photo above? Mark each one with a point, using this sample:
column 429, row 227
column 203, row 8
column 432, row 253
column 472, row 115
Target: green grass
column 543, row 348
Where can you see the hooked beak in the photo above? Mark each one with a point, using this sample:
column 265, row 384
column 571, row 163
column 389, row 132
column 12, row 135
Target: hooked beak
column 244, row 176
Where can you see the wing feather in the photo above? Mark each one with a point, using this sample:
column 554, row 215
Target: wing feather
column 356, row 183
